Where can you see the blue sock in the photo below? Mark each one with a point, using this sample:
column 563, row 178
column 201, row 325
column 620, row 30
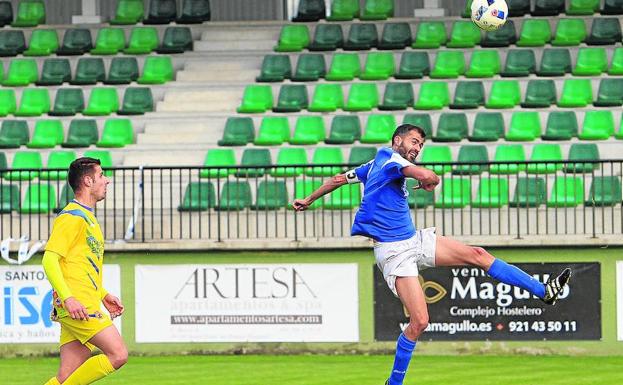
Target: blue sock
column 513, row 275
column 404, row 349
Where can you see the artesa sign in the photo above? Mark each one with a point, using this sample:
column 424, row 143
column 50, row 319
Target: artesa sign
column 236, row 303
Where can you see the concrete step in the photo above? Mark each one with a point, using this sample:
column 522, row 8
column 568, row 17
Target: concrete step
column 236, row 45
column 165, row 158
column 242, row 34
column 197, row 106
column 218, row 76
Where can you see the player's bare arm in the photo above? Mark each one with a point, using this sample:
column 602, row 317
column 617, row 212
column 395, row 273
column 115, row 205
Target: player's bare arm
column 328, row 186
column 427, row 178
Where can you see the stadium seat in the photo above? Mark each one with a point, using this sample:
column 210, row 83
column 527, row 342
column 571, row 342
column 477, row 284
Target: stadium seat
column 545, row 152
column 518, row 7
column 105, row 158
column 430, row 34
column 54, row 72
column 40, row 198
column 604, row 31
column 257, row 98
column 194, row 12
column 582, row 7
column 345, row 129
column 397, row 96
column 488, row 127
column 504, row 94
column 58, row 160
column 502, row 37
column 76, row 41
column 395, row 36
column 22, row 72
column 448, row 65
column 68, row 101
column 25, row 160
column 310, row 10
column 590, row 62
column 293, row 38
column 467, row 10
column 561, row 125
column 569, row 32
column 612, row 7
column 156, row 70
column 235, row 196
column 117, row 133
column 576, row 93
column 34, row 102
column 258, row 159
column 433, row 96
column 89, row 70
column 109, row 41
column 419, row 198
column 555, row 62
column 363, row 36
column 143, row 40
column 610, row 93
column 128, row 12
column 12, row 43
column 524, row 126
column 468, row 94
column 327, row 37
column 137, row 101
column 465, row 34
column 377, row 10
column 455, row 193
column 271, row 195
column 413, row 65
column 344, row 66
column 568, row 191
column 432, row 155
column 616, row 65
column 346, row 197
column 29, row 14
column 529, row 192
column 275, row 68
column 289, row 156
column 43, row 42
column 379, row 66
column 123, row 70
column 492, row 193
column 308, row 130
column 581, row 152
column 483, row 64
column 66, row 196
column 8, row 104
column 309, row 68
column 198, row 196
column 344, row 10
column 273, row 131
column 14, row 133
column 102, row 101
column 597, row 125
column 9, row 197
column 161, row 12
column 508, row 153
column 548, row 7
column 534, row 33
column 452, row 127
column 379, row 128
column 362, row 97
column 81, row 133
column 472, row 153
column 176, row 40
column 216, row 159
column 302, row 189
column 324, row 156
column 238, row 132
column 6, row 13
column 292, row 98
column 540, row 93
column 48, row 133
column 421, row 120
column 604, row 191
column 519, row 63
column 360, row 155
column 327, row 98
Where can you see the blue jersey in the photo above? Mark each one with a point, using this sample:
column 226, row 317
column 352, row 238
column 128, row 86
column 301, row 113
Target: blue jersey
column 384, row 213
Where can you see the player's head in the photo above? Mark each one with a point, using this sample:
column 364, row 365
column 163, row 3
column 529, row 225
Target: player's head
column 86, row 176
column 408, row 141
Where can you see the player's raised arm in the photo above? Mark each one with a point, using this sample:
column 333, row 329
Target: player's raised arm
column 427, row 178
column 328, row 186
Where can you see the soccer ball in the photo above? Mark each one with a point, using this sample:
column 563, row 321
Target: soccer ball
column 489, row 15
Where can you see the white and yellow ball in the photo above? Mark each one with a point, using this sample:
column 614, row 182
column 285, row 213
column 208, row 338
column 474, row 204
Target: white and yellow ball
column 489, row 15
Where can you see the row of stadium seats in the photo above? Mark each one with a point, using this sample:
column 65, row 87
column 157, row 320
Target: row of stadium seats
column 448, row 65
column 432, row 34
column 344, row 10
column 162, row 12
column 30, row 13
column 110, row 41
column 517, row 8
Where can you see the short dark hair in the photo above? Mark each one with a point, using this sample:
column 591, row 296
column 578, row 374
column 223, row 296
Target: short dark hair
column 404, row 129
column 78, row 169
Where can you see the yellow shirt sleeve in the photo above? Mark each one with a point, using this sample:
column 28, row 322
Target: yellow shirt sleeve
column 55, row 275
column 66, row 231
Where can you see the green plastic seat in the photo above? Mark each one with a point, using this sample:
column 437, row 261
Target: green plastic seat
column 76, row 41
column 433, row 96
column 430, row 34
column 413, row 65
column 89, row 70
column 582, row 152
column 327, row 37
column 616, row 65
column 379, row 66
column 68, row 102
column 619, row 134
column 310, row 10
column 448, row 65
column 14, row 133
column 468, row 95
column 492, row 193
column 12, row 43
column 117, row 133
column 604, row 191
column 455, row 193
column 302, row 189
column 568, row 191
column 157, row 70
column 43, row 42
column 529, row 192
column 612, row 7
column 582, row 7
column 9, row 198
column 308, row 130
column 604, row 31
column 137, row 101
column 105, row 158
column 109, row 41
column 346, row 197
column 6, row 13
column 421, row 120
column 327, row 98
column 472, row 153
column 22, row 72
column 102, row 101
column 29, row 14
column 48, row 133
column 597, row 125
column 504, row 94
column 452, row 127
column 258, row 159
column 362, row 97
column 8, row 103
column 397, row 96
column 143, row 40
column 235, row 196
column 569, row 32
column 344, row 10
column 467, row 10
column 34, row 102
column 161, row 12
column 216, row 159
column 519, row 63
column 555, row 62
column 465, row 34
column 395, row 36
column 238, row 132
column 40, row 199
column 508, row 153
column 176, row 40
column 591, row 62
column 379, row 129
column 548, row 7
column 534, row 33
column 488, row 127
column 271, row 195
column 128, row 12
column 123, row 70
column 561, row 125
column 540, row 93
column 432, row 155
column 483, row 64
column 273, row 131
column 361, row 154
column 525, row 126
column 257, row 98
column 576, row 93
column 545, row 152
column 275, row 68
column 198, row 196
column 55, row 72
column 344, row 66
column 292, row 98
column 345, row 129
column 24, row 160
column 293, row 38
column 419, row 198
column 309, row 68
column 81, row 133
column 58, row 160
column 287, row 157
column 377, row 10
column 195, row 11
column 502, row 37
column 518, row 8
column 610, row 93
column 324, row 156
column 362, row 36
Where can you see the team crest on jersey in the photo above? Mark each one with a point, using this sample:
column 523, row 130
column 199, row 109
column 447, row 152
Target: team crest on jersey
column 57, row 300
column 96, row 314
column 95, row 246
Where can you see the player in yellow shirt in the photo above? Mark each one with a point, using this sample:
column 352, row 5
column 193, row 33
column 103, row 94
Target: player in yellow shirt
column 73, row 262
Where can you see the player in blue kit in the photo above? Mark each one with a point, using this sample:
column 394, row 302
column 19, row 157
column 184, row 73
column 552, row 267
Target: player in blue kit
column 401, row 251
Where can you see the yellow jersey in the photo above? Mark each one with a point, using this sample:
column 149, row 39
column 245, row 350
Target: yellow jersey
column 78, row 240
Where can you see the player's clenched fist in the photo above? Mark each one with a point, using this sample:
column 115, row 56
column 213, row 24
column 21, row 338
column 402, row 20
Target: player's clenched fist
column 113, row 305
column 300, row 204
